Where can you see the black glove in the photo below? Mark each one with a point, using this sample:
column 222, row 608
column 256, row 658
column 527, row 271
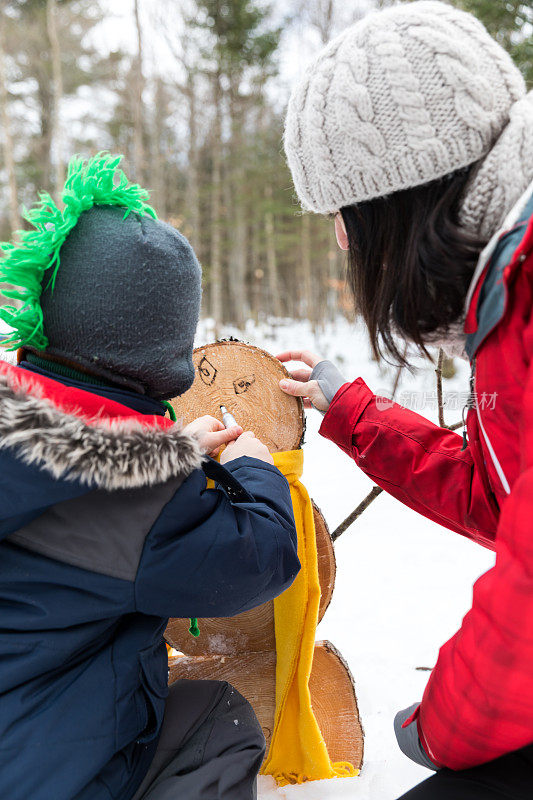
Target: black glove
column 408, row 740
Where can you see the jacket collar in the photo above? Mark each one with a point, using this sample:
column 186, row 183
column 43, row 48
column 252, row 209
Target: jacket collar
column 487, row 294
column 138, row 402
column 76, row 435
column 487, row 252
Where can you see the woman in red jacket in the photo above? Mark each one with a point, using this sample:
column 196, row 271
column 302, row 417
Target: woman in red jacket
column 414, row 130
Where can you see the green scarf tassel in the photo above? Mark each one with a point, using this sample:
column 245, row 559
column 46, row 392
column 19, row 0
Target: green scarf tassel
column 169, row 408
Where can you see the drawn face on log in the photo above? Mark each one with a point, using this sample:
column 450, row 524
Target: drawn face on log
column 245, row 379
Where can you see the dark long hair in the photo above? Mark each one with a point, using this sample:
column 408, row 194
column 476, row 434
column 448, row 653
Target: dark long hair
column 410, row 263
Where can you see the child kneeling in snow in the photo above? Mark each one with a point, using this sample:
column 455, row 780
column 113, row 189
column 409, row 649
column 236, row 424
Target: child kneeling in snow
column 106, row 525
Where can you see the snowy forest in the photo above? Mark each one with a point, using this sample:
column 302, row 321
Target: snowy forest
column 193, row 93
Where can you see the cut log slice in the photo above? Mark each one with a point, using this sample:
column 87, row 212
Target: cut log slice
column 254, row 676
column 249, row 632
column 245, row 379
column 335, row 705
column 253, row 630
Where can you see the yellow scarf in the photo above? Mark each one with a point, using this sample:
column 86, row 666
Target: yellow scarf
column 297, row 750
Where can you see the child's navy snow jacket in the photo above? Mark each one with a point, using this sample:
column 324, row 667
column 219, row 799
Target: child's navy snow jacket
column 107, row 529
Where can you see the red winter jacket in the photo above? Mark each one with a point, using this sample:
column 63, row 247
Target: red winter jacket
column 478, row 703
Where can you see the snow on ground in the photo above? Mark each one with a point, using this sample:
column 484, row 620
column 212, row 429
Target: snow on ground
column 403, row 582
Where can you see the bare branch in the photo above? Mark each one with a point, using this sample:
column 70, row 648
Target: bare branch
column 438, row 372
column 455, row 425
column 363, row 505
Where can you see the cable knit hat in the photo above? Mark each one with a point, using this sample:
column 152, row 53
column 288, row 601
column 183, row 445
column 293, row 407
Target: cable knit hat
column 103, row 283
column 403, row 97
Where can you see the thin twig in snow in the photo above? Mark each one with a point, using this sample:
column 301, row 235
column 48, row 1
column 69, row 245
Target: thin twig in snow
column 363, row 505
column 438, row 372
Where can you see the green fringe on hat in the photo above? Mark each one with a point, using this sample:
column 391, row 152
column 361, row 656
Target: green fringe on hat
column 96, row 181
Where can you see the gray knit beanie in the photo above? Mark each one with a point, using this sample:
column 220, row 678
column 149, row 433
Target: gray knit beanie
column 125, row 302
column 104, row 284
column 405, row 96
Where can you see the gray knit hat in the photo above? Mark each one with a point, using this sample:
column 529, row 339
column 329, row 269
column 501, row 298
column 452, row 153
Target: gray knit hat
column 403, row 97
column 126, row 301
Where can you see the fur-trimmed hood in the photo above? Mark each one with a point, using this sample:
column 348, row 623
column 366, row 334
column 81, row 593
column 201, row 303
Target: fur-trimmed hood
column 110, row 454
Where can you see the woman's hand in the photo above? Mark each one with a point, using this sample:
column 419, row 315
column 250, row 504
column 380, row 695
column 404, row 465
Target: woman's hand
column 211, row 434
column 246, row 445
column 318, row 385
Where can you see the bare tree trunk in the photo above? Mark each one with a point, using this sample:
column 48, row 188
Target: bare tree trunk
column 57, row 89
column 257, row 273
column 158, row 149
column 216, row 231
column 324, row 19
column 272, row 266
column 238, row 265
column 181, row 51
column 9, row 161
column 320, row 13
column 138, row 111
column 192, row 194
column 44, row 144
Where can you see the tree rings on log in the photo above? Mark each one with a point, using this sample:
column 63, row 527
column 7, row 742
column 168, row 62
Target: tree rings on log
column 253, row 630
column 335, row 705
column 245, row 379
column 253, row 674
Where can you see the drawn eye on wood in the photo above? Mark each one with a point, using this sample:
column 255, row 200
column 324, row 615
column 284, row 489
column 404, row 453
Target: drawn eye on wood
column 246, row 380
column 242, row 385
column 207, row 371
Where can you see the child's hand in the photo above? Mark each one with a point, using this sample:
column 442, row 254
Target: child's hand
column 246, row 445
column 211, row 434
